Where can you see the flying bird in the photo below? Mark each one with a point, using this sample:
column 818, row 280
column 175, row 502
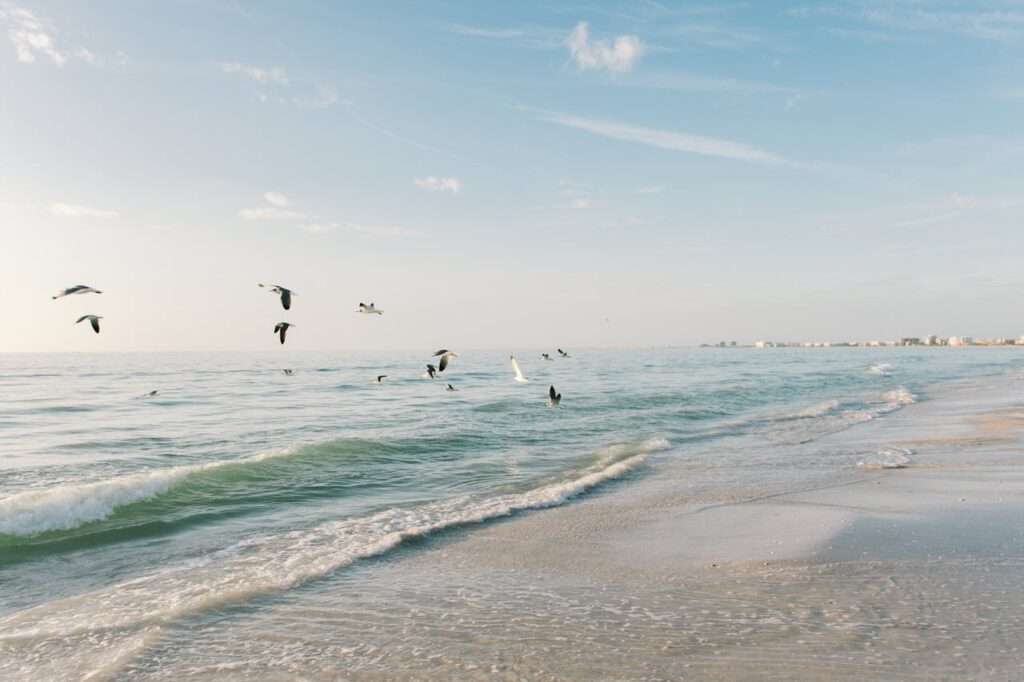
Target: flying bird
column 431, row 371
column 149, row 395
column 450, row 388
column 553, row 398
column 94, row 320
column 286, row 295
column 545, row 356
column 369, row 309
column 381, row 378
column 77, row 289
column 281, row 328
column 445, row 355
column 519, row 373
column 287, row 372
column 563, row 353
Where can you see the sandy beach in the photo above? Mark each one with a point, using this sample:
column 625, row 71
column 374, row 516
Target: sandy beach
column 906, row 573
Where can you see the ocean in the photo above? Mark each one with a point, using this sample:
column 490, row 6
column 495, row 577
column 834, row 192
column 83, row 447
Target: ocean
column 133, row 527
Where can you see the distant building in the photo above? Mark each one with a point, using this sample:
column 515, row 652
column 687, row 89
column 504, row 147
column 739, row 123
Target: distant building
column 910, row 341
column 961, row 341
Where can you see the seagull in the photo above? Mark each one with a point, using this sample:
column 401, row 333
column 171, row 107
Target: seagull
column 545, row 356
column 282, row 328
column 553, row 398
column 286, row 294
column 94, row 320
column 381, row 378
column 149, row 395
column 431, row 371
column 287, row 372
column 563, row 353
column 369, row 309
column 77, row 289
column 446, row 355
column 519, row 373
column 451, row 388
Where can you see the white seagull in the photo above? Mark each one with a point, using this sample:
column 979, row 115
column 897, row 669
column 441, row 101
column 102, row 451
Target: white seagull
column 553, row 398
column 369, row 309
column 450, row 388
column 286, row 295
column 288, row 372
column 563, row 353
column 381, row 378
column 519, row 373
column 94, row 320
column 281, row 328
column 445, row 356
column 77, row 289
column 545, row 356
column 431, row 372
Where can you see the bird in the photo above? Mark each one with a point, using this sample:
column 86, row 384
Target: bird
column 553, row 398
column 545, row 356
column 445, row 355
column 381, row 378
column 519, row 373
column 77, row 289
column 287, row 372
column 149, row 395
column 94, row 320
column 286, row 294
column 369, row 309
column 281, row 328
column 449, row 387
column 563, row 353
column 431, row 371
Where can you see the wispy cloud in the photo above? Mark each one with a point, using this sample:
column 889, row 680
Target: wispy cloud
column 274, row 75
column 986, row 20
column 435, row 184
column 650, row 189
column 382, row 231
column 617, row 56
column 689, row 82
column 270, row 213
column 32, row 37
column 276, row 198
column 718, row 36
column 80, row 211
column 668, row 139
column 478, row 32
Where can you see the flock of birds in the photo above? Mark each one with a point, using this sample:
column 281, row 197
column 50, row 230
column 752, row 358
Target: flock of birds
column 444, row 356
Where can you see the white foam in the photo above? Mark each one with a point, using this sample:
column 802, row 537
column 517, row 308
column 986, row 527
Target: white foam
column 881, row 368
column 887, row 458
column 64, row 507
column 898, row 397
column 266, row 564
column 819, row 410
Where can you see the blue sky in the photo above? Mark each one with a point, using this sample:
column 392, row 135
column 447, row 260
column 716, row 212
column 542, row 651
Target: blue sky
column 510, row 174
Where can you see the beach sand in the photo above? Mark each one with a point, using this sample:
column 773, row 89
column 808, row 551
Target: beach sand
column 901, row 574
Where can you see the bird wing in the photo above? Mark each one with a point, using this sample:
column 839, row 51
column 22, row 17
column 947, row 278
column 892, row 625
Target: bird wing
column 443, row 363
column 515, row 366
column 95, row 324
column 441, row 352
column 286, row 299
column 284, row 329
column 551, row 393
column 83, row 317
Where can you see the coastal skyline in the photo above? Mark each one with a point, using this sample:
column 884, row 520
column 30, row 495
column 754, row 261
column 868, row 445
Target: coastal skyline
column 527, row 176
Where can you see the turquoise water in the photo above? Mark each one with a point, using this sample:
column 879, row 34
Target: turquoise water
column 120, row 512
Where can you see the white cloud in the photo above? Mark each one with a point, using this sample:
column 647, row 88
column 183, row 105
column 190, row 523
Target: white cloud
column 390, row 231
column 270, row 213
column 651, row 189
column 276, row 198
column 434, row 184
column 79, row 211
column 31, row 37
column 618, row 56
column 671, row 140
column 87, row 56
column 274, row 75
column 580, row 203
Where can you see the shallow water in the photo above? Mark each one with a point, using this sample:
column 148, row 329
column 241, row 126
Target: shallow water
column 125, row 518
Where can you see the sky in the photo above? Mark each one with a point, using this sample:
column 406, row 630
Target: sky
column 509, row 175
